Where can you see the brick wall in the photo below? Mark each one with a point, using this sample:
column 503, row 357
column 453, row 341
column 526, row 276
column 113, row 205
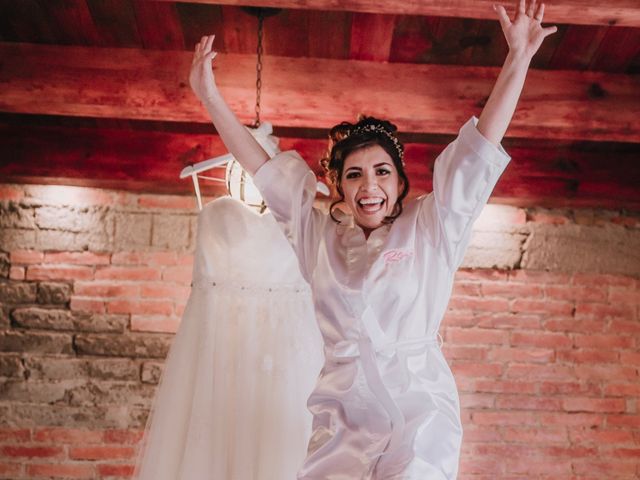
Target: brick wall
column 542, row 334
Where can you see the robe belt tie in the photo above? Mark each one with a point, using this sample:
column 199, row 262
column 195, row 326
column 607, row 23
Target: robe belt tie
column 364, row 349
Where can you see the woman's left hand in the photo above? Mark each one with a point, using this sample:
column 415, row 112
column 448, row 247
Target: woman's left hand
column 525, row 33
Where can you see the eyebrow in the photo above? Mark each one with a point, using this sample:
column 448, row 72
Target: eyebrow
column 375, row 166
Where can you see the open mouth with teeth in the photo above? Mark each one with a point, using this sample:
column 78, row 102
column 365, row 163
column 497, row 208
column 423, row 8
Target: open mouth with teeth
column 371, row 205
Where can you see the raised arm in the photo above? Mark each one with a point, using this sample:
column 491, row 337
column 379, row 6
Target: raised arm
column 524, row 36
column 234, row 135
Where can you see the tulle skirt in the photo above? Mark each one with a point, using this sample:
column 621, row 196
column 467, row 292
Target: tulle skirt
column 231, row 401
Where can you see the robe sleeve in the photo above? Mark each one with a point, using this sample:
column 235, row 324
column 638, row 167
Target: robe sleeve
column 288, row 187
column 464, row 176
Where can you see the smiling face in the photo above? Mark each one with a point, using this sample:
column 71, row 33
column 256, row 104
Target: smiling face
column 370, row 183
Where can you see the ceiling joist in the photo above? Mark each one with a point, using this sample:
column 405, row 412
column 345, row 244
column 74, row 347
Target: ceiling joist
column 579, row 12
column 311, row 93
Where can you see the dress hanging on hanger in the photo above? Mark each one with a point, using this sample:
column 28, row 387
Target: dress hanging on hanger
column 231, row 402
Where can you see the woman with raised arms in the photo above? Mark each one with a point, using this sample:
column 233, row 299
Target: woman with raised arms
column 385, row 405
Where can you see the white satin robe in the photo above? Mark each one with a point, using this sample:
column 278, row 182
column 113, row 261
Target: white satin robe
column 385, row 405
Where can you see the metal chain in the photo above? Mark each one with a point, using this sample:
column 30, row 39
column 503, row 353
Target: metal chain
column 259, row 68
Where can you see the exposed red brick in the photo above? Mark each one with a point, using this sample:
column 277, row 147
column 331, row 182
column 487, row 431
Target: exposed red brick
column 484, row 433
column 548, row 307
column 26, row 257
column 479, row 304
column 106, row 289
column 541, row 339
column 466, row 289
column 537, row 355
column 31, row 451
column 527, row 402
column 606, row 372
column 511, row 290
column 539, row 277
column 568, row 387
column 464, row 353
column 585, row 404
column 167, row 201
column 484, row 275
column 588, row 356
column 127, row 273
column 140, row 307
column 603, row 468
column 144, row 258
column 67, row 435
column 15, row 435
column 600, row 279
column 599, row 435
column 17, row 273
column 506, row 386
column 101, row 452
column 624, row 327
column 181, row 274
column 623, row 389
column 572, row 419
column 505, row 418
column 164, row 290
column 82, row 304
column 475, row 336
column 106, row 470
column 532, row 372
column 122, row 436
column 627, row 421
column 474, row 369
column 476, row 400
column 11, row 469
column 605, row 310
column 78, row 258
column 548, row 218
column 150, row 323
column 58, row 470
column 603, row 341
column 11, row 192
column 570, row 324
column 509, row 320
column 581, row 293
column 48, row 272
column 535, row 435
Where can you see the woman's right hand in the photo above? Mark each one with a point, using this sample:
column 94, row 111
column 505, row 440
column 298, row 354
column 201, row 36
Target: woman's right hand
column 201, row 75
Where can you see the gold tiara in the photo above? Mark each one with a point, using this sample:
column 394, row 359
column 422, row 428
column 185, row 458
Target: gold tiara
column 379, row 129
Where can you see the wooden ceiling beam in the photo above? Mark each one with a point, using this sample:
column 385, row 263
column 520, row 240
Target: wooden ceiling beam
column 141, row 160
column 579, row 12
column 311, row 93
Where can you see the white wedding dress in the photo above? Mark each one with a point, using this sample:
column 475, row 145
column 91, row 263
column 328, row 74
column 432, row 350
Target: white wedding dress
column 231, row 402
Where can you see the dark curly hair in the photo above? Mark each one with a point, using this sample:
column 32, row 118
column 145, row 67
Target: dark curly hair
column 346, row 138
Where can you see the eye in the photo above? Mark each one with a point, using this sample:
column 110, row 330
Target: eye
column 383, row 171
column 352, row 174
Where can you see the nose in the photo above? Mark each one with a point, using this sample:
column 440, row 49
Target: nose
column 369, row 183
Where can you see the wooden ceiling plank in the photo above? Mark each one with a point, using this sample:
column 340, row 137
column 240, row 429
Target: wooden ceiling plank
column 413, row 38
column 239, row 31
column 329, row 34
column 285, row 34
column 579, row 44
column 153, row 85
column 159, row 25
column 198, row 20
column 371, row 36
column 578, row 12
column 26, row 21
column 115, row 21
column 617, row 50
column 145, row 159
column 72, row 22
